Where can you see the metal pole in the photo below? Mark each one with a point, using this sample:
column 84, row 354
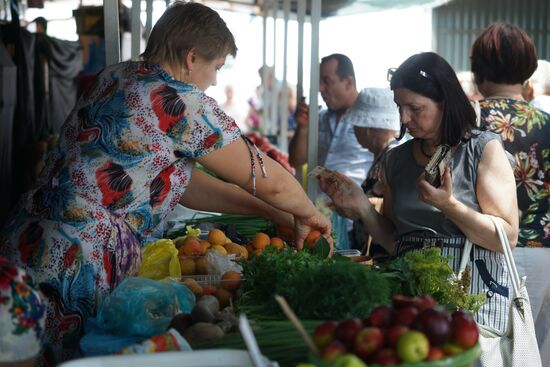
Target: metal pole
column 274, row 92
column 263, row 121
column 136, row 29
column 283, row 135
column 313, row 123
column 112, row 32
column 149, row 21
column 301, row 13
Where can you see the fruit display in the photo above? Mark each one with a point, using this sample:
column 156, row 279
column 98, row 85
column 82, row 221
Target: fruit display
column 202, row 262
column 410, row 330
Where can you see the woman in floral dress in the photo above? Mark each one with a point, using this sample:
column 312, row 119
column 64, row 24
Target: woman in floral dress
column 525, row 130
column 125, row 159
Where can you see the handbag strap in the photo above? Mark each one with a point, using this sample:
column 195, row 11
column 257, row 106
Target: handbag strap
column 467, row 249
column 507, row 255
column 510, row 263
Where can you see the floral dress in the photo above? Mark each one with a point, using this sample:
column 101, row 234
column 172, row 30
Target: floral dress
column 124, row 159
column 21, row 314
column 525, row 132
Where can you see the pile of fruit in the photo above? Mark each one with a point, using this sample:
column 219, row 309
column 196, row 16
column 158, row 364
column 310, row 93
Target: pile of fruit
column 410, row 330
column 191, row 246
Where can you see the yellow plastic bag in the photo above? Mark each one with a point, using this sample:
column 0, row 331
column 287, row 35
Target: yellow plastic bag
column 160, row 260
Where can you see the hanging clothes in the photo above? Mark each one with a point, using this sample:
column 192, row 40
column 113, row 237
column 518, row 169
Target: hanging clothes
column 57, row 90
column 8, row 72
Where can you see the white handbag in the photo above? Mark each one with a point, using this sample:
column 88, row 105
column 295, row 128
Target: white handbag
column 517, row 347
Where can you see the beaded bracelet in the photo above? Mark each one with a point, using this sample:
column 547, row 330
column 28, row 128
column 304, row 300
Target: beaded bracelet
column 250, row 145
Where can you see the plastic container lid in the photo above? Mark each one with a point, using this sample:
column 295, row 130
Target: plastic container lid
column 202, row 358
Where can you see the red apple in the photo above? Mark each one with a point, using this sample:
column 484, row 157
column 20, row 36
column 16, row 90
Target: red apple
column 399, row 301
column 435, row 354
column 368, row 341
column 324, row 333
column 385, row 356
column 380, row 316
column 412, row 347
column 424, row 302
column 404, row 315
column 435, row 323
column 334, row 349
column 464, row 331
column 347, row 329
column 393, row 333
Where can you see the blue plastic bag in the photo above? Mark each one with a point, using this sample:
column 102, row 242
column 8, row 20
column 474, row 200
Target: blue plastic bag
column 98, row 342
column 143, row 307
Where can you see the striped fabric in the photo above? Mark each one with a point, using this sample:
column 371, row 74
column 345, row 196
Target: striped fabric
column 494, row 313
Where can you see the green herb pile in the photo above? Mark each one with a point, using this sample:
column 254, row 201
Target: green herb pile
column 314, row 287
column 427, row 272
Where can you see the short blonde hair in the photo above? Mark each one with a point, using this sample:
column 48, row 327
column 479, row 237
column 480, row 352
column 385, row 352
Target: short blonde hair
column 185, row 26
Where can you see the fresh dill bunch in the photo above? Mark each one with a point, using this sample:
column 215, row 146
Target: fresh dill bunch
column 428, row 272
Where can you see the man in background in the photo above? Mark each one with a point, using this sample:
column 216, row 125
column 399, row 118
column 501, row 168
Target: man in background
column 338, row 148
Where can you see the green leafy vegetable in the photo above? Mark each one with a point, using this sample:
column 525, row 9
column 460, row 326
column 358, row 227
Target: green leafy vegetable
column 427, row 272
column 315, row 288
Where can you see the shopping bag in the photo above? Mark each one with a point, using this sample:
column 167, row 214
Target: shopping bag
column 160, row 260
column 517, row 346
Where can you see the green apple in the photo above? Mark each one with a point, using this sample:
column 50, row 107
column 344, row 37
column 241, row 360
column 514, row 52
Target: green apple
column 412, row 346
column 348, row 360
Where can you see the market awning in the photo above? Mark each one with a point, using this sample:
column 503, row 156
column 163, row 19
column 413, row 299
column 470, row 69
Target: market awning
column 329, row 7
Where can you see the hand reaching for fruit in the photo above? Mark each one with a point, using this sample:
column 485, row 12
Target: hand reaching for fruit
column 304, row 226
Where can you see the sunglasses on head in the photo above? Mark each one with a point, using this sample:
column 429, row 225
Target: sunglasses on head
column 422, row 73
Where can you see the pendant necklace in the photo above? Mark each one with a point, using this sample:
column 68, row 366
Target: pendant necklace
column 423, row 151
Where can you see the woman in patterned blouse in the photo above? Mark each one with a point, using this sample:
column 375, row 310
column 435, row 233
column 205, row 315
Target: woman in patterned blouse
column 503, row 58
column 126, row 157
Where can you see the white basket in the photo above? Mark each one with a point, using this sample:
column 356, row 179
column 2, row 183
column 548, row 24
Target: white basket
column 201, row 358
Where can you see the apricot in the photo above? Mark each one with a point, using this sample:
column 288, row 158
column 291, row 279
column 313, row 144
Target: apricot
column 216, row 237
column 233, row 248
column 231, row 280
column 188, row 266
column 190, row 247
column 193, row 286
column 220, row 249
column 312, row 238
column 260, row 240
column 277, row 242
column 200, row 265
column 205, row 246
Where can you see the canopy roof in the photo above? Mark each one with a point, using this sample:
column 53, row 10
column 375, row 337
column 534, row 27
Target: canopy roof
column 329, row 7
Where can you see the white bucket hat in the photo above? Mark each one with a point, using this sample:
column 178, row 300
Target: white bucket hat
column 374, row 107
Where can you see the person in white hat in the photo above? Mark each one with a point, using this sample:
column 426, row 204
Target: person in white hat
column 375, row 120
